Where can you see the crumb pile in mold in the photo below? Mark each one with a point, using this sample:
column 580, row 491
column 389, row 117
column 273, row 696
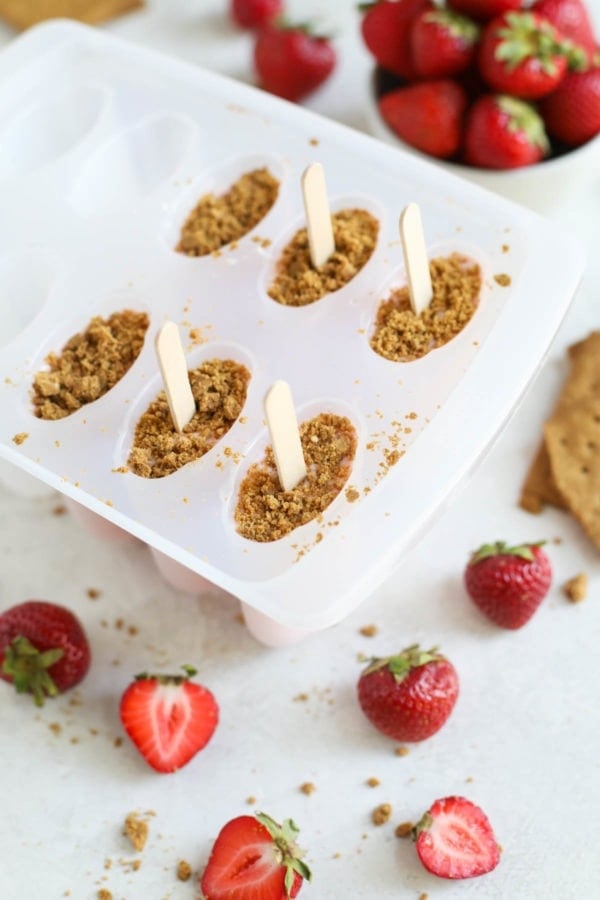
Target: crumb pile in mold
column 265, row 512
column 297, row 283
column 401, row 335
column 219, row 387
column 217, row 221
column 89, row 365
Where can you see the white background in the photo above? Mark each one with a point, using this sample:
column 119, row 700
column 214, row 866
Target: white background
column 522, row 741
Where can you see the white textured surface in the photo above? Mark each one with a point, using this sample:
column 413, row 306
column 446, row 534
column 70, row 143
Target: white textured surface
column 525, row 729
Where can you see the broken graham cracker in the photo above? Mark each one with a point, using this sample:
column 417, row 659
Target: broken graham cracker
column 576, row 588
column 136, row 829
column 539, row 487
column 24, row 13
column 573, row 443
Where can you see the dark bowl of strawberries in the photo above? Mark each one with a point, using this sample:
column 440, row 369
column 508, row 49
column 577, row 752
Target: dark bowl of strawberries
column 503, row 92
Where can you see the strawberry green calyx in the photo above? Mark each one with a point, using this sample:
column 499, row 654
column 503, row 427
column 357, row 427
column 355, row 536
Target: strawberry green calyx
column 424, row 824
column 528, row 36
column 189, row 672
column 402, row 663
column 288, row 853
column 523, row 117
column 28, row 668
column 500, row 548
column 458, row 26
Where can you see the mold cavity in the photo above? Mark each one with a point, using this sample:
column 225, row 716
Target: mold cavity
column 297, row 283
column 132, row 164
column 219, row 387
column 216, row 221
column 89, row 365
column 401, row 335
column 26, row 281
column 49, row 129
column 265, row 512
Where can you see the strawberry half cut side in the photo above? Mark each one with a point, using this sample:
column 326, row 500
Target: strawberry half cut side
column 255, row 858
column 169, row 718
column 454, row 839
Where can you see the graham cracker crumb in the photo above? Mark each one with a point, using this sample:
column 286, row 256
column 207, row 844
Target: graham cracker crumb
column 297, row 283
column 265, row 512
column 401, row 751
column 423, row 896
column 117, row 742
column 502, row 279
column 93, row 593
column 219, row 387
column 136, row 830
column 184, row 870
column 352, row 494
column 55, row 728
column 373, row 782
column 250, row 800
column 89, row 365
column 381, row 814
column 505, row 248
column 369, row 630
column 301, row 698
column 59, row 510
column 308, row 788
column 575, row 589
column 404, row 829
column 217, row 221
column 103, row 894
column 401, row 336
column 20, row 438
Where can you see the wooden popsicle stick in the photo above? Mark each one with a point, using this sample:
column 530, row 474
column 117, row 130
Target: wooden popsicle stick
column 285, row 436
column 173, row 368
column 318, row 216
column 420, row 289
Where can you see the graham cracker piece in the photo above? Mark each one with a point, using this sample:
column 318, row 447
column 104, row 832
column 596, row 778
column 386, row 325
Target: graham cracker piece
column 539, row 487
column 573, row 444
column 23, row 13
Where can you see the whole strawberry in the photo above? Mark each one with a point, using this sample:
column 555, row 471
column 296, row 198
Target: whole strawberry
column 502, row 132
column 255, row 858
column 385, row 28
column 442, row 43
column 169, row 718
column 254, row 13
column 291, row 61
column 428, row 115
column 408, row 697
column 454, row 839
column 572, row 112
column 523, row 54
column 43, row 649
column 571, row 18
column 508, row 583
column 484, row 10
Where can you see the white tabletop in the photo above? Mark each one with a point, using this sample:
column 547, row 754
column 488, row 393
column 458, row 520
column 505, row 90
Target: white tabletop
column 522, row 741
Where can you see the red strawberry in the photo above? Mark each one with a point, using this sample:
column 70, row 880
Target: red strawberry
column 43, row 649
column 572, row 111
column 454, row 839
column 291, row 62
column 168, row 718
column 484, row 10
column 522, row 54
column 427, row 116
column 254, row 13
column 408, row 697
column 255, row 858
column 442, row 43
column 508, row 583
column 571, row 18
column 385, row 27
column 502, row 132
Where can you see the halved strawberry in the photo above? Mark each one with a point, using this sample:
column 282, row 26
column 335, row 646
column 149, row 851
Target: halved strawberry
column 255, row 858
column 454, row 839
column 169, row 718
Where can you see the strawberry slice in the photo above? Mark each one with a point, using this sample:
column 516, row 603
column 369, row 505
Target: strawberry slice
column 169, row 718
column 255, row 858
column 454, row 839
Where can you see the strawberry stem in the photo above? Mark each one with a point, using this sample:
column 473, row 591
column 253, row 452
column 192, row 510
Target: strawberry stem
column 289, row 854
column 500, row 548
column 401, row 664
column 189, row 671
column 28, row 668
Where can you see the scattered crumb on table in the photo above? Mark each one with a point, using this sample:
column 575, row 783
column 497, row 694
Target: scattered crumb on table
column 136, row 829
column 381, row 814
column 184, row 870
column 401, row 751
column 575, row 589
column 404, row 829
